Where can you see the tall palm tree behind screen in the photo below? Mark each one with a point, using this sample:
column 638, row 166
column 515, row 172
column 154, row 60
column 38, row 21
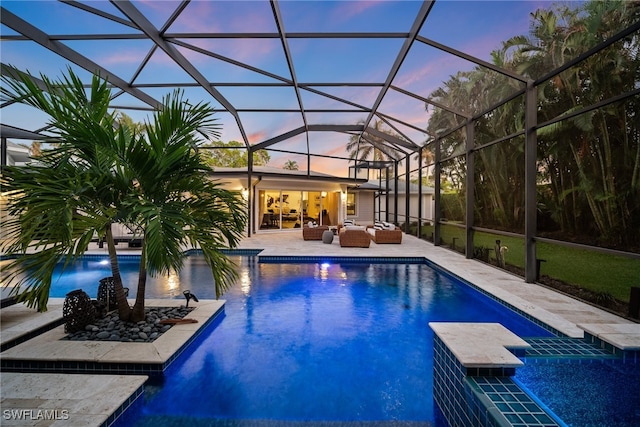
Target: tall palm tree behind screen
column 368, row 146
column 101, row 173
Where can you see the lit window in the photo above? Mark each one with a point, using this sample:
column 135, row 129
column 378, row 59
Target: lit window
column 351, row 204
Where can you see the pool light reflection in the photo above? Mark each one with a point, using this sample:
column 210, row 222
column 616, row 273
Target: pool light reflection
column 324, row 271
column 245, row 283
column 173, row 284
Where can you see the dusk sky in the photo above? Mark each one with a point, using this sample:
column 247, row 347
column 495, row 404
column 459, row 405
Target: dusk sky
column 474, row 27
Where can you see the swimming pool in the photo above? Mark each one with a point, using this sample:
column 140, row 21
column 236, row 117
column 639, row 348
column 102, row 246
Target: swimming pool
column 314, row 342
column 339, row 343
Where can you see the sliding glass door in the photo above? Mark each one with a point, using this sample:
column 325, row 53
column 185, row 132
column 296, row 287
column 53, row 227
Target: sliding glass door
column 287, row 209
column 279, row 209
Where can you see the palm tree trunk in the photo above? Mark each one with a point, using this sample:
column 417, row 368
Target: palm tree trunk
column 635, row 175
column 137, row 314
column 598, row 216
column 124, row 311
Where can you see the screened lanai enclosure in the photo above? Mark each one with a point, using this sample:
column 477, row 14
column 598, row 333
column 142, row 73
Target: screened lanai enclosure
column 522, row 118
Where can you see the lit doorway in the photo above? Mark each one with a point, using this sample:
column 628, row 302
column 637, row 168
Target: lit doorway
column 288, row 209
column 279, row 209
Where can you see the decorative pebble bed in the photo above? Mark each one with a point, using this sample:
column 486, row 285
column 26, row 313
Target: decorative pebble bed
column 111, row 328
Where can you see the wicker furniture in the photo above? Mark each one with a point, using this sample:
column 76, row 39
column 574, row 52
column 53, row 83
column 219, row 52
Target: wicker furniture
column 385, row 236
column 313, row 233
column 350, row 238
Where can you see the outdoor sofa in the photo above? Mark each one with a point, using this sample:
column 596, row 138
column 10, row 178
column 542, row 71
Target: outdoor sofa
column 313, row 233
column 381, row 235
column 354, row 237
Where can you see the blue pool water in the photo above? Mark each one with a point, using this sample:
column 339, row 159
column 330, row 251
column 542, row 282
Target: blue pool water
column 347, row 342
column 340, row 342
column 586, row 392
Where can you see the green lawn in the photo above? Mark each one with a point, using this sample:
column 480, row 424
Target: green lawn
column 591, row 270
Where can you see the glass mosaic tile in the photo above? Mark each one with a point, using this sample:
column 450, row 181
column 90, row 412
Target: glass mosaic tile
column 565, row 347
column 516, row 406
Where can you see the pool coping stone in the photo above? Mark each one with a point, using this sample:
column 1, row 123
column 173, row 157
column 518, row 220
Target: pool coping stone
column 481, row 345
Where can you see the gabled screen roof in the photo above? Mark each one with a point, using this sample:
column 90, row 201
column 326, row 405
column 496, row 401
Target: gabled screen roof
column 296, row 77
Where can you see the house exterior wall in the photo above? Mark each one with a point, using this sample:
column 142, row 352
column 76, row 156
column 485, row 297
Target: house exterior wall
column 334, row 194
column 17, row 155
column 364, row 208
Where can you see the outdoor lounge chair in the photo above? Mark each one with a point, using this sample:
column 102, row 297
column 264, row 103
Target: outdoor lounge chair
column 385, row 236
column 313, row 233
column 354, row 238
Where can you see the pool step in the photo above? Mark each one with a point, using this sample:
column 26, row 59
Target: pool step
column 565, row 348
column 505, row 403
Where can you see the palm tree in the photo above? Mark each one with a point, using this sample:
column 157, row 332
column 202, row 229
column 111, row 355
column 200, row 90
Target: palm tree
column 72, row 193
column 366, row 146
column 290, row 165
column 178, row 205
column 102, row 173
column 592, row 160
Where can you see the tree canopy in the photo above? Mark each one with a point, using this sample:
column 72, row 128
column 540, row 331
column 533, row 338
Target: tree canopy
column 232, row 154
column 588, row 164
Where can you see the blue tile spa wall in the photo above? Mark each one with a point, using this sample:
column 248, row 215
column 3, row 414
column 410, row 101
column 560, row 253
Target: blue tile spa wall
column 482, row 396
column 451, row 393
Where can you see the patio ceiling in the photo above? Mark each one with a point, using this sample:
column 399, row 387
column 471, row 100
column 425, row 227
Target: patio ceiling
column 298, row 78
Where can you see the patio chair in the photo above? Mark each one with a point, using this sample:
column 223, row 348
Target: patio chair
column 313, row 233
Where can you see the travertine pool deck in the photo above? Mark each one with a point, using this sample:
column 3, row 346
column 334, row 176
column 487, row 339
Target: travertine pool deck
column 65, row 400
column 566, row 315
column 18, row 320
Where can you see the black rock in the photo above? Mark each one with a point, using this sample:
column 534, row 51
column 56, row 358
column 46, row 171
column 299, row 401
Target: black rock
column 111, row 328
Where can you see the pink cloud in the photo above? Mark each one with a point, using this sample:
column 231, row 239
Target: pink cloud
column 338, row 150
column 196, row 18
column 349, row 9
column 329, row 166
column 256, row 137
column 131, row 56
column 253, row 21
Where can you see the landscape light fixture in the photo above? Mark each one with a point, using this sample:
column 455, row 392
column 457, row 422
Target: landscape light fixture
column 189, row 296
